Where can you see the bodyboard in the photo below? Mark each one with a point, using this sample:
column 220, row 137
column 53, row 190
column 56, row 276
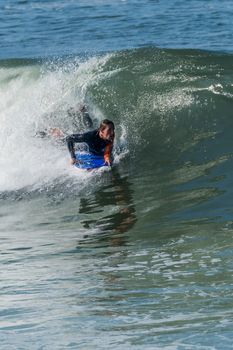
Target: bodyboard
column 89, row 161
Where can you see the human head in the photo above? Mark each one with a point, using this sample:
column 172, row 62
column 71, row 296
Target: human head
column 106, row 130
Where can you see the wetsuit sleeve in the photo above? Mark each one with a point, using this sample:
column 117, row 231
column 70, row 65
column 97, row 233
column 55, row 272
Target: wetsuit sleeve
column 108, row 152
column 72, row 139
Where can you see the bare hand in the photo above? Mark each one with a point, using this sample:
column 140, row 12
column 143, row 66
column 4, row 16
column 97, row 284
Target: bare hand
column 73, row 161
column 56, row 132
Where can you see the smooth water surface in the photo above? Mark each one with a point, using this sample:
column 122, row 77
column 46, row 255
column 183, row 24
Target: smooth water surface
column 35, row 28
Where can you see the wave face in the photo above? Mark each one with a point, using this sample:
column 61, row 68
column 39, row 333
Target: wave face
column 169, row 107
column 136, row 257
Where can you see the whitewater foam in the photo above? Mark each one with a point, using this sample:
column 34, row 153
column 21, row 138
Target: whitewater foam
column 36, row 98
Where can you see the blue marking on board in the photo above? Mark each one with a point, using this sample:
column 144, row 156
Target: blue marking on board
column 89, row 161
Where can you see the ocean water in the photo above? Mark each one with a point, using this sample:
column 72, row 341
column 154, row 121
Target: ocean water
column 138, row 256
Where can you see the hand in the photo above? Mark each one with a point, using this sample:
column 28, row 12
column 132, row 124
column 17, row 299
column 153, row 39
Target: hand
column 108, row 162
column 56, row 132
column 73, row 161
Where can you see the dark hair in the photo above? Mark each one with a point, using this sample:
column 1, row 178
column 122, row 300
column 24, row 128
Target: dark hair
column 106, row 122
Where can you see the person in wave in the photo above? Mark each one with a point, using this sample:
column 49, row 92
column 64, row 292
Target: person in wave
column 100, row 141
column 81, row 117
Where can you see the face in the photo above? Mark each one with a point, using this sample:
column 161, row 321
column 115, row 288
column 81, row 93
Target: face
column 107, row 133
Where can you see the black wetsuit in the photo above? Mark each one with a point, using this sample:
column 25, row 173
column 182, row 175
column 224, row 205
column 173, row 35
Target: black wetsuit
column 96, row 145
